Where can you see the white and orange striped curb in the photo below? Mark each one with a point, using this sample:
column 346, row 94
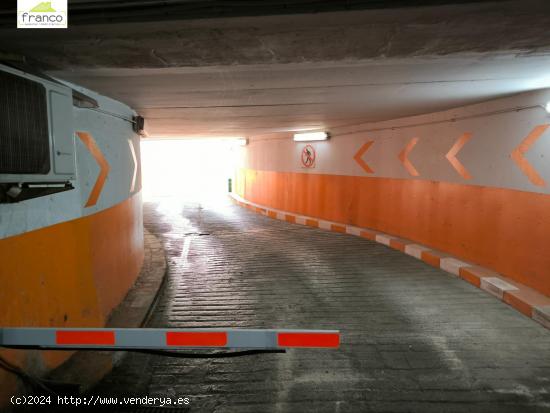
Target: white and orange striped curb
column 524, row 299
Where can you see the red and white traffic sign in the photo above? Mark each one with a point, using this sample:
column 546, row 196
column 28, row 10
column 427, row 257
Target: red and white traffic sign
column 308, row 156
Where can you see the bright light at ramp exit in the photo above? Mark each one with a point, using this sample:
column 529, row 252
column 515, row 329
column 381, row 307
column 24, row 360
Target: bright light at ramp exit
column 190, row 170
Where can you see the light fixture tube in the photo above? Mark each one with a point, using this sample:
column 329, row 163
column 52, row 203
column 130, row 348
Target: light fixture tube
column 310, row 136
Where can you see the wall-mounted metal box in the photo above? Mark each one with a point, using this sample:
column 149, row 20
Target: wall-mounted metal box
column 37, row 142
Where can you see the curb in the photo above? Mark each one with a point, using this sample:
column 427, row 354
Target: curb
column 524, row 299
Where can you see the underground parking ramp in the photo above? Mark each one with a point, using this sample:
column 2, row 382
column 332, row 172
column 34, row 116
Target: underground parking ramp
column 413, row 337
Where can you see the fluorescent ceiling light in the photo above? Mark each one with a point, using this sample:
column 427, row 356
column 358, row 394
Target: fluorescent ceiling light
column 548, row 107
column 241, row 142
column 310, row 136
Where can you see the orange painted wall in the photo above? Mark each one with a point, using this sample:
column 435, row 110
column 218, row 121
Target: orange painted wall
column 502, row 229
column 68, row 275
column 117, row 251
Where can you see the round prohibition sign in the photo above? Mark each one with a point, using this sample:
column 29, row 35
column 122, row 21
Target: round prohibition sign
column 308, row 156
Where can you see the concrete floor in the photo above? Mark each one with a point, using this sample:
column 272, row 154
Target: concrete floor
column 413, row 337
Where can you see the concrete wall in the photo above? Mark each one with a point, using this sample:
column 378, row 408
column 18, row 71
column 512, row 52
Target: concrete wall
column 69, row 258
column 473, row 181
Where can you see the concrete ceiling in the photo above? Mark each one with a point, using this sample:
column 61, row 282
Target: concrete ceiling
column 250, row 76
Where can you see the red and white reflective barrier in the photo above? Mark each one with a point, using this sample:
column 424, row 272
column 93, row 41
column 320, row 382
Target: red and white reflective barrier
column 165, row 338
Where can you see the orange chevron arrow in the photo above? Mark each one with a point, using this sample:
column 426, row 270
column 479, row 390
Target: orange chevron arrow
column 518, row 155
column 104, row 168
column 134, row 158
column 451, row 156
column 359, row 157
column 404, row 157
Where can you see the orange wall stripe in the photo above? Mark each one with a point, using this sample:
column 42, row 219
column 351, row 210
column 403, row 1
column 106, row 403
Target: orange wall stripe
column 95, row 260
column 73, row 274
column 404, row 157
column 116, row 235
column 451, row 156
column 439, row 215
column 518, row 155
column 359, row 157
column 104, row 167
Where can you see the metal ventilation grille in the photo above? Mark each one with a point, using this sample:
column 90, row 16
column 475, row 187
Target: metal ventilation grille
column 24, row 140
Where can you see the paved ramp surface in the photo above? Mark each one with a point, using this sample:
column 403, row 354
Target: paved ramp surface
column 413, row 337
